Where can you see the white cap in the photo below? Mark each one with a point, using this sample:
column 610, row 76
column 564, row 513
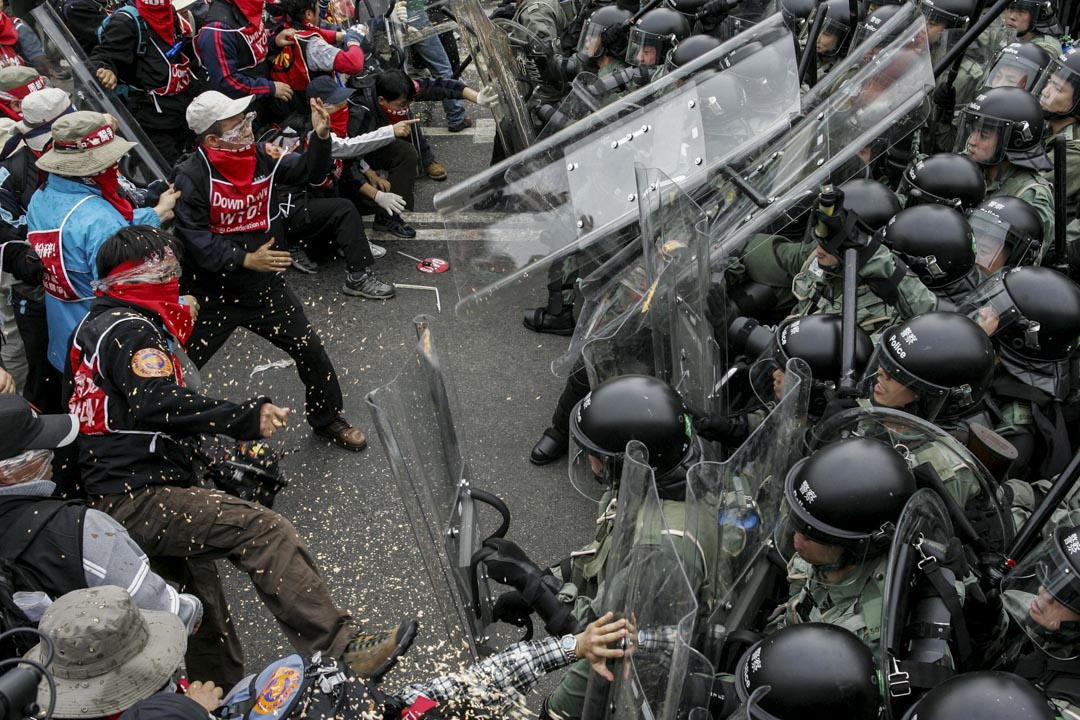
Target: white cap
column 211, row 106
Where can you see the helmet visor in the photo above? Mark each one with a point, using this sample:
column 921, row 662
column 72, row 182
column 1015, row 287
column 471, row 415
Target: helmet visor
column 982, row 139
column 646, row 49
column 991, row 306
column 591, row 469
column 920, row 196
column 831, row 39
column 1013, row 71
column 889, row 384
column 1057, row 90
column 998, row 244
column 590, row 43
column 1042, row 594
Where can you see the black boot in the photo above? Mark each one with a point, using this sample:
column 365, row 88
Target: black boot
column 541, row 321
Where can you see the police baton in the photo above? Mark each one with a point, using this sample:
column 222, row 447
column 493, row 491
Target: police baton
column 809, row 54
column 1060, row 260
column 830, row 201
column 1031, row 531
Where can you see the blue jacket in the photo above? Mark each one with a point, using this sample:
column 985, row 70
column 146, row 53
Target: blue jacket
column 94, row 222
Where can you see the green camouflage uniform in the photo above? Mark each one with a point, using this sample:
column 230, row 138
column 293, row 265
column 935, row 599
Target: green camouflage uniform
column 1036, row 190
column 1049, row 43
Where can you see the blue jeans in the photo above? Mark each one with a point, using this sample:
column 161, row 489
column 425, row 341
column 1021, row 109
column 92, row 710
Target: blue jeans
column 434, row 54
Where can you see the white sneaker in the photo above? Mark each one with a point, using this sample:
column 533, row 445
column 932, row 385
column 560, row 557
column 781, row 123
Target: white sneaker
column 377, row 251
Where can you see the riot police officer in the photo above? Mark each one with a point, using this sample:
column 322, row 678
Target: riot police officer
column 835, row 37
column 839, row 525
column 1059, row 97
column 591, row 45
column 945, row 22
column 1033, row 316
column 654, row 35
column 946, row 179
column 1035, row 21
column 1002, row 130
column 1018, row 64
column 938, row 245
column 1008, row 232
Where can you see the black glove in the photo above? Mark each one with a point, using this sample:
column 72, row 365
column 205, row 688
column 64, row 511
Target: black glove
column 615, row 38
column 982, row 611
column 730, row 431
column 945, row 101
column 717, row 9
column 837, row 405
column 842, row 234
column 511, row 608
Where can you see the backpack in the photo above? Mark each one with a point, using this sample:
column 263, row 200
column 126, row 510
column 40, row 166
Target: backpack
column 13, row 541
column 134, row 13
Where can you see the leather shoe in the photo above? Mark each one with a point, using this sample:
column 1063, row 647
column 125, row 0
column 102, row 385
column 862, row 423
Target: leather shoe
column 343, row 435
column 372, row 655
column 551, row 446
column 541, row 321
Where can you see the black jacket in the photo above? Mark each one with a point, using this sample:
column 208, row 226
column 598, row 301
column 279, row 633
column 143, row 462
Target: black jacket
column 52, row 562
column 366, row 115
column 152, row 414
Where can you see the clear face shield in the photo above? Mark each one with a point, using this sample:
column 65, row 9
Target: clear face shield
column 943, row 29
column 983, row 139
column 835, row 553
column 889, row 385
column 998, row 244
column 1042, row 595
column 991, row 306
column 831, row 39
column 1056, row 90
column 1013, row 71
column 646, row 49
column 590, row 43
column 155, row 269
column 751, row 708
column 592, row 470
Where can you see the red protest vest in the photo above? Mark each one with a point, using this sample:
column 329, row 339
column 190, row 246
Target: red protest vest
column 179, row 75
column 48, row 244
column 234, row 211
column 290, row 65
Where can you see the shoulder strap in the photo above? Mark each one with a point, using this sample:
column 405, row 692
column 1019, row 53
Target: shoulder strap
column 21, row 532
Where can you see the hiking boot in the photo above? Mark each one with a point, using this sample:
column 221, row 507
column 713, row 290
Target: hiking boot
column 377, row 251
column 372, row 655
column 303, row 263
column 343, row 435
column 393, row 224
column 366, row 285
column 463, row 125
column 436, row 171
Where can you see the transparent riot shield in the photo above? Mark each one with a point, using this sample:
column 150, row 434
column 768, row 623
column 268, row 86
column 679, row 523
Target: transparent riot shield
column 143, row 164
column 745, row 15
column 506, row 71
column 388, row 52
column 426, row 18
column 742, row 496
column 967, row 490
column 665, row 332
column 911, row 609
column 414, row 418
column 646, row 582
column 577, row 187
column 582, row 99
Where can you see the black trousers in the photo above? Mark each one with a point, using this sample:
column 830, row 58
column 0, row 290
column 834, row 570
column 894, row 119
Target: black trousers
column 398, row 159
column 277, row 315
column 315, row 220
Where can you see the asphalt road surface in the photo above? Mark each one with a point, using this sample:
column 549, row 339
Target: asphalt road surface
column 344, row 504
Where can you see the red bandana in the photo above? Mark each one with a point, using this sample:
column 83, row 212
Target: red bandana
column 108, row 181
column 160, row 17
column 339, row 122
column 395, row 116
column 163, row 298
column 9, row 34
column 252, row 10
column 236, row 166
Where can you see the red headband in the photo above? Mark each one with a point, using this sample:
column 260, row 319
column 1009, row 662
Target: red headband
column 102, row 136
column 39, row 83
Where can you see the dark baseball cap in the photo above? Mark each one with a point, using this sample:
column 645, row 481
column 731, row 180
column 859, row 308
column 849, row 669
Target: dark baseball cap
column 324, row 88
column 22, row 428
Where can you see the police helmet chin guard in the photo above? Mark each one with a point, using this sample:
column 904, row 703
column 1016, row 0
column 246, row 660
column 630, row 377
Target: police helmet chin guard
column 1042, row 594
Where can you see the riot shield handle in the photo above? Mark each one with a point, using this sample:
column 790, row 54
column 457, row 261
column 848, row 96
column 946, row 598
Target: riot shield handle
column 494, row 501
column 1031, row 531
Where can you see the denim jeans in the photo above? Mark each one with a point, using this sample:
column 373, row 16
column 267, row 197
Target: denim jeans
column 434, row 54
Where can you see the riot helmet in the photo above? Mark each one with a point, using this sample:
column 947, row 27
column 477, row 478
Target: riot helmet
column 984, row 694
column 937, row 366
column 813, row 670
column 818, row 341
column 796, row 12
column 590, row 42
column 1029, row 16
column 944, row 179
column 946, row 21
column 842, row 503
column 872, row 201
column 873, row 22
column 936, row 242
column 691, row 49
column 1001, row 124
column 1059, row 89
column 1042, row 594
column 1008, row 232
column 836, row 29
column 654, row 35
column 1019, row 64
column 632, row 407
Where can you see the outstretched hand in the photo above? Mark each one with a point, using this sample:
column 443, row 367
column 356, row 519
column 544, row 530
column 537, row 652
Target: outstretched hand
column 320, row 118
column 594, row 643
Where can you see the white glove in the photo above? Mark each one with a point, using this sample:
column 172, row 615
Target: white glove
column 360, row 29
column 392, row 203
column 487, row 97
column 401, row 13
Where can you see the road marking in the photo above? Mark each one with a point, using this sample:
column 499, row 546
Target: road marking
column 482, row 132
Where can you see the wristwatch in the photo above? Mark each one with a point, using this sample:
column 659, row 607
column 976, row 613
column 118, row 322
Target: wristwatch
column 568, row 645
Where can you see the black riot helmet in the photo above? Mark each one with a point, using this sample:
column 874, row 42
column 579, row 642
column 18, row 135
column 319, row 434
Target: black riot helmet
column 953, row 14
column 872, row 201
column 1008, row 232
column 818, row 341
column 691, row 49
column 1043, row 16
column 944, row 179
column 632, row 407
column 1004, row 123
column 837, row 25
column 944, row 358
column 936, row 242
column 1048, row 577
column 873, row 22
column 689, row 8
column 590, row 42
column 654, row 35
column 1018, row 64
column 986, row 695
column 796, row 12
column 1059, row 89
column 814, row 671
column 848, row 494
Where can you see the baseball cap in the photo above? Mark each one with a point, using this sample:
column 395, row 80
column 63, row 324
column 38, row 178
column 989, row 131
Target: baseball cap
column 211, row 106
column 39, row 109
column 23, row 428
column 324, row 88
